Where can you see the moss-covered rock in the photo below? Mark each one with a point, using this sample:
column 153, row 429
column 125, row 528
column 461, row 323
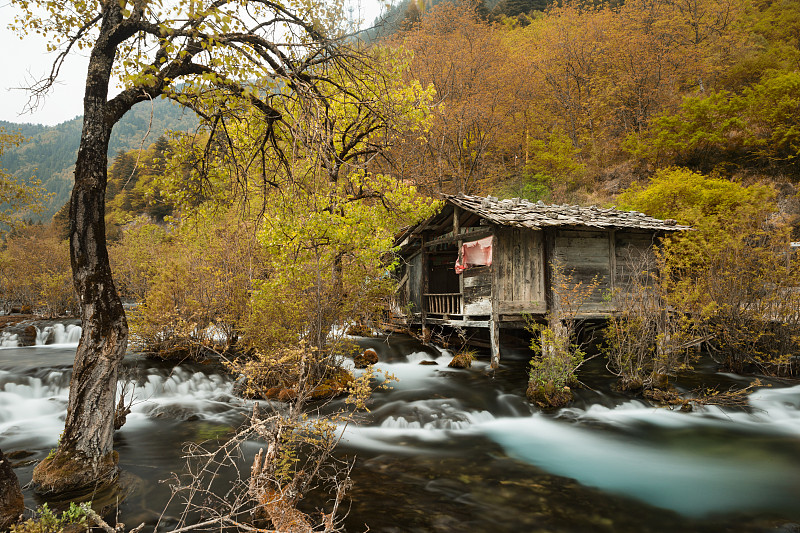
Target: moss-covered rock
column 287, row 394
column 668, row 397
column 548, row 396
column 363, row 360
column 335, row 383
column 628, row 385
column 71, row 472
column 462, row 360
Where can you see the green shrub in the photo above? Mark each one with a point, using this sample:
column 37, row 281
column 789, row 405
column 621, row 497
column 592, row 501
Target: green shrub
column 46, row 521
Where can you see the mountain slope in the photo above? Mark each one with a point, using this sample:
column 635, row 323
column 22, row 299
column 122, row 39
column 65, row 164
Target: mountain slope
column 49, row 152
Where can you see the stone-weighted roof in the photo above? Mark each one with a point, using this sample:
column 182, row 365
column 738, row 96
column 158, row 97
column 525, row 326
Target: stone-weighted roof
column 524, row 214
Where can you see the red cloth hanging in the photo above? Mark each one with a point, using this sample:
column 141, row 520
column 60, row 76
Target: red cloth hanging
column 474, row 253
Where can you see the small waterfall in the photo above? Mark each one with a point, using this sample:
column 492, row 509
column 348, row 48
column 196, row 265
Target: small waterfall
column 56, row 334
column 44, row 335
column 66, row 334
column 443, row 359
column 9, row 340
column 183, row 394
column 32, row 408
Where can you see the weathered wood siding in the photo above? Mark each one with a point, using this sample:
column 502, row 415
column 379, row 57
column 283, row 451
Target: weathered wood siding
column 632, row 250
column 478, row 291
column 415, row 282
column 519, row 259
column 635, row 256
column 587, row 255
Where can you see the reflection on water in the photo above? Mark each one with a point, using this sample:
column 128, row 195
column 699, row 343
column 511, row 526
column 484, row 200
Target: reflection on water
column 461, row 450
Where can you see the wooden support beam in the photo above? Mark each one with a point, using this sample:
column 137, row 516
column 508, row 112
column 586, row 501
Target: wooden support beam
column 494, row 323
column 472, row 236
column 549, row 245
column 494, row 340
column 459, row 243
column 612, row 260
column 425, row 277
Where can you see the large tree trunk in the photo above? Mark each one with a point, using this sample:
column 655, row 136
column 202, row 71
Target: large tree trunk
column 85, row 457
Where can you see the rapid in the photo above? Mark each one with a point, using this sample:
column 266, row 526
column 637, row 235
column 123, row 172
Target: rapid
column 458, row 450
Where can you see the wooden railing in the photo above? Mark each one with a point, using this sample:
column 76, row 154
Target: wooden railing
column 443, row 304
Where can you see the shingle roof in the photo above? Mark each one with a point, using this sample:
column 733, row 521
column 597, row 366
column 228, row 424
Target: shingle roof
column 525, row 214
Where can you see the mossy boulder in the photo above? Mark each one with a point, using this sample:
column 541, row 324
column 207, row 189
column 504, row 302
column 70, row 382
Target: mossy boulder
column 548, row 396
column 70, row 472
column 427, row 362
column 286, row 395
column 363, row 360
column 628, row 385
column 28, row 336
column 461, row 360
column 335, row 383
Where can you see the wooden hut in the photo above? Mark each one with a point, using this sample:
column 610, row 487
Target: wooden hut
column 488, row 263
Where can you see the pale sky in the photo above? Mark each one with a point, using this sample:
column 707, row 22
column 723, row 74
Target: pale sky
column 24, row 60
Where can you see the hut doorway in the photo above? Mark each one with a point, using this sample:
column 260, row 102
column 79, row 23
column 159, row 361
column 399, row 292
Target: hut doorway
column 443, row 296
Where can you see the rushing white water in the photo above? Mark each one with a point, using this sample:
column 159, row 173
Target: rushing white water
column 693, row 482
column 57, row 335
column 9, row 340
column 695, row 463
column 709, row 461
column 69, row 334
column 32, row 408
column 181, row 394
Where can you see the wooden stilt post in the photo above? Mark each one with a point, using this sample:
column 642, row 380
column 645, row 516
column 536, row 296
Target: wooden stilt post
column 494, row 340
column 554, row 313
column 560, row 335
column 459, row 243
column 426, row 332
column 494, row 323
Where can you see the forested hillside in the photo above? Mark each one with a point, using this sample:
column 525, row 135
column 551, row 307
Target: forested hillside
column 49, row 152
column 568, row 103
column 577, row 102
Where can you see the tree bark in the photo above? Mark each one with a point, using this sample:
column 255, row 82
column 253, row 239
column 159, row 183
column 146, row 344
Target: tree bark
column 85, row 457
column 12, row 503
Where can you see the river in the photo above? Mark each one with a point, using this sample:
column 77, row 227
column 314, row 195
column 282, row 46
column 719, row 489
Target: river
column 449, row 450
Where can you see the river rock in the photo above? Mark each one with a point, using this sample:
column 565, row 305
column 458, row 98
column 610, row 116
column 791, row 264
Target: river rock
column 428, row 362
column 12, row 504
column 548, row 396
column 461, row 360
column 28, row 336
column 19, row 454
column 369, row 357
column 286, row 395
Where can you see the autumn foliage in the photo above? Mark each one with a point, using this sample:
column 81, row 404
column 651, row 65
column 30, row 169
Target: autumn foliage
column 577, row 102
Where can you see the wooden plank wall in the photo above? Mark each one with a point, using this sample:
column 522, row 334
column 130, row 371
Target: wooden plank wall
column 519, row 259
column 585, row 254
column 634, row 251
column 477, row 291
column 630, row 246
column 415, row 282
